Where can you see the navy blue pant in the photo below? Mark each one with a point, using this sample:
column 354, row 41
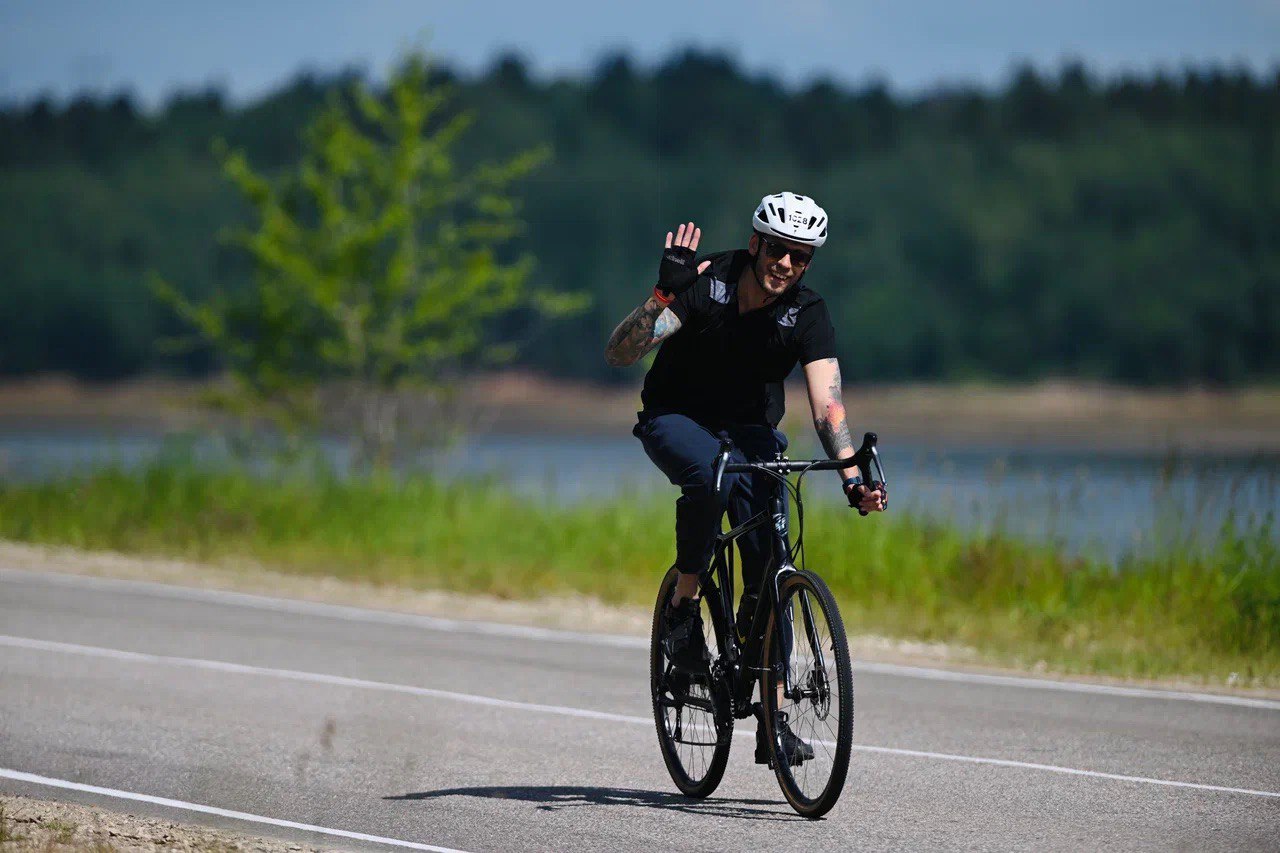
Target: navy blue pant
column 686, row 451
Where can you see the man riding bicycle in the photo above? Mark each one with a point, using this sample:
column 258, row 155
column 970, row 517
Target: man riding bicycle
column 731, row 328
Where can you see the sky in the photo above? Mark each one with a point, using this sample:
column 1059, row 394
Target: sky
column 152, row 47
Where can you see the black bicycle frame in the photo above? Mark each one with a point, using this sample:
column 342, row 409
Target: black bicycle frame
column 740, row 658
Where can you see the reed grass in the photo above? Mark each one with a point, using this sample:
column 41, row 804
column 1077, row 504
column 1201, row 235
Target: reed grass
column 1210, row 615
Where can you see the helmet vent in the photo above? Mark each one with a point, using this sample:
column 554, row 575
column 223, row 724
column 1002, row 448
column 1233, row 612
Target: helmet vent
column 791, row 217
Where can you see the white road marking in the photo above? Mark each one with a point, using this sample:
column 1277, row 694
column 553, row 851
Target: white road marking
column 311, row 677
column 330, row 611
column 19, row 776
column 1053, row 768
column 363, row 684
column 433, row 623
column 930, row 674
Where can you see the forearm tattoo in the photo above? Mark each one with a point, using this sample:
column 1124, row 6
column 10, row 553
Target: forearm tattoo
column 832, row 427
column 644, row 328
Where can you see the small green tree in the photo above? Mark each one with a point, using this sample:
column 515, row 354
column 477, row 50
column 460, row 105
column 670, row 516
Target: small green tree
column 376, row 267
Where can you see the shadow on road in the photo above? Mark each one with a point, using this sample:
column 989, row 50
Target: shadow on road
column 556, row 797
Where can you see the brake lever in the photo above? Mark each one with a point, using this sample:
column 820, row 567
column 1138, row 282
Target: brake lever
column 721, row 461
column 868, row 461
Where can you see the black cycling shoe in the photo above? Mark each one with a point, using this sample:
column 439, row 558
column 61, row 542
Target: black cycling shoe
column 682, row 639
column 798, row 751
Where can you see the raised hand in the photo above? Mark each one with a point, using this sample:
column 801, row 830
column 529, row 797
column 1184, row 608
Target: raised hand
column 676, row 273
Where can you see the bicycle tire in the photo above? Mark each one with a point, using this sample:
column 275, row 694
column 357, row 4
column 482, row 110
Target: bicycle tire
column 811, row 786
column 696, row 762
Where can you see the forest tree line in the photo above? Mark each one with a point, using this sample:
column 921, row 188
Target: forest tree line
column 1125, row 229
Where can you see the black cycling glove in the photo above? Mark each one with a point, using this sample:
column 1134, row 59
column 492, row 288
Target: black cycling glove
column 677, row 272
column 851, row 491
column 855, row 497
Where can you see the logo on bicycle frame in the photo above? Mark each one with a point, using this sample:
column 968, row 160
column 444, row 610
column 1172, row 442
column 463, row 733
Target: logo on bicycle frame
column 780, row 523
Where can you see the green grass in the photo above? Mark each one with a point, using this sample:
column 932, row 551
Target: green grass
column 1205, row 615
column 63, row 832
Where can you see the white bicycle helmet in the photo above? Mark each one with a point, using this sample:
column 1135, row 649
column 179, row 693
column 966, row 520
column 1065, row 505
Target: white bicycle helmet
column 792, row 216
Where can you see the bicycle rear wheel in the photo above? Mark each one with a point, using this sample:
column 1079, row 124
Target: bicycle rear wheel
column 817, row 701
column 691, row 712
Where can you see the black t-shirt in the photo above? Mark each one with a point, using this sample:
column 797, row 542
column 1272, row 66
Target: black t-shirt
column 724, row 367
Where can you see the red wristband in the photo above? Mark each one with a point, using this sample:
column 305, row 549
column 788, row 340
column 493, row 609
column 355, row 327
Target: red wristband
column 664, row 299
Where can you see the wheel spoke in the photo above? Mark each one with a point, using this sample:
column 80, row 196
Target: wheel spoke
column 812, row 704
column 684, row 706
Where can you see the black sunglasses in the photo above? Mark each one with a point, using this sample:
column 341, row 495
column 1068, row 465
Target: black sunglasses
column 776, row 251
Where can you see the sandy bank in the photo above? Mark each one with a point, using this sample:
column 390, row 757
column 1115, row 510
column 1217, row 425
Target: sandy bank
column 946, row 416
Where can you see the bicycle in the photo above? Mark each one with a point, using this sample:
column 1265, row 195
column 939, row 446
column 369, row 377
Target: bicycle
column 809, row 683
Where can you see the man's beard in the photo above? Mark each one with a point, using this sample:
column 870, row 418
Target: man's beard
column 761, row 269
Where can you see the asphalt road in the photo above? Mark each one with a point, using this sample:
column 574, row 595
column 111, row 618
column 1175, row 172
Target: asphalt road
column 333, row 724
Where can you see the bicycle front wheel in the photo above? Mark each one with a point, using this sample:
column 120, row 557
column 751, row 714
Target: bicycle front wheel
column 692, row 713
column 809, row 719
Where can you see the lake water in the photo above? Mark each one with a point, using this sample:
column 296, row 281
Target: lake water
column 1103, row 504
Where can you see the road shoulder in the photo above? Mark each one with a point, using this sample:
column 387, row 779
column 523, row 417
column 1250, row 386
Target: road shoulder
column 578, row 614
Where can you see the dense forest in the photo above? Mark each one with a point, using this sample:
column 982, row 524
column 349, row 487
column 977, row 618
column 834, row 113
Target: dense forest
column 1124, row 229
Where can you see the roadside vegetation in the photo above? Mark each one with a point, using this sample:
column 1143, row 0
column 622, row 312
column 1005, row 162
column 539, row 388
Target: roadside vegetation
column 1211, row 614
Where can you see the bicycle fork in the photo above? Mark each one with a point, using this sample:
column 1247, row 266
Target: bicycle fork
column 782, row 554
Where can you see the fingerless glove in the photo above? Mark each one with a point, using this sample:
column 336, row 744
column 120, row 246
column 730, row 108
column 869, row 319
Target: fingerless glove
column 851, row 490
column 677, row 272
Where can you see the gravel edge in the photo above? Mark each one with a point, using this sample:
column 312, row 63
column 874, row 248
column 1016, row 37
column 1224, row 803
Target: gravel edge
column 29, row 824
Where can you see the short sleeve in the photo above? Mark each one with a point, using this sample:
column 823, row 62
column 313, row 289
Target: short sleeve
column 815, row 334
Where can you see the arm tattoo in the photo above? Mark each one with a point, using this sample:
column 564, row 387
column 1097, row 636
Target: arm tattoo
column 832, row 427
column 644, row 329
column 833, row 430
